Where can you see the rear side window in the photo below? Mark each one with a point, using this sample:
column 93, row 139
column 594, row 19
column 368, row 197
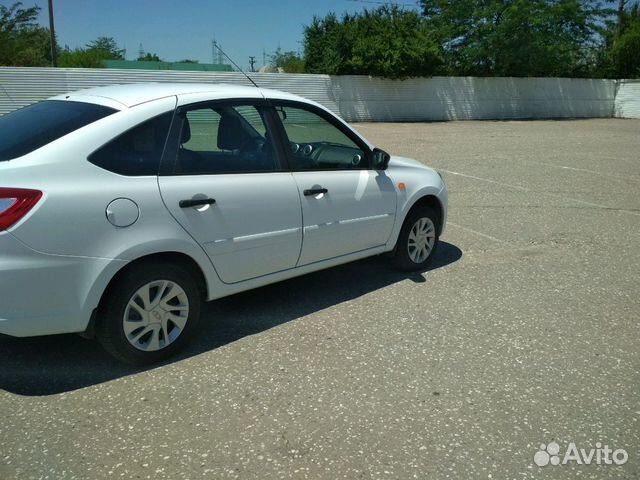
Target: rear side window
column 136, row 152
column 32, row 127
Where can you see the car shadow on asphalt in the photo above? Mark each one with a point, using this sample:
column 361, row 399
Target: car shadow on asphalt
column 61, row 363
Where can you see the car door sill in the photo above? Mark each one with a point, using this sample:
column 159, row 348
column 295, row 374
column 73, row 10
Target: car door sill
column 231, row 288
column 337, row 257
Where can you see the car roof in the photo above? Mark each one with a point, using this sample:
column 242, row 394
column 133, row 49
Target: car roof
column 129, row 95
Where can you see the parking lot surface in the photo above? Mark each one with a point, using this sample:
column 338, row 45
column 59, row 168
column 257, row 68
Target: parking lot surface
column 524, row 332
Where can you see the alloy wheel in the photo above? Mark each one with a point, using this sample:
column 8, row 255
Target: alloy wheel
column 156, row 315
column 422, row 237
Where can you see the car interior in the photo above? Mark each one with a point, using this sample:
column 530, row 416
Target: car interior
column 239, row 147
column 327, row 156
column 222, row 140
column 317, row 144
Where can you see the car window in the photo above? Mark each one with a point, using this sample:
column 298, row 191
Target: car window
column 200, row 132
column 224, row 139
column 27, row 129
column 136, row 152
column 317, row 144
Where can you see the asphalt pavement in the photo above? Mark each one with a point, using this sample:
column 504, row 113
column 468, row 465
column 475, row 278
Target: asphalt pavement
column 522, row 337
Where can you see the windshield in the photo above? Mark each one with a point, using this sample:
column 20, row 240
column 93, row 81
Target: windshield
column 32, row 127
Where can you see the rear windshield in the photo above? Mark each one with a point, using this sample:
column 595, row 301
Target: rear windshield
column 32, row 127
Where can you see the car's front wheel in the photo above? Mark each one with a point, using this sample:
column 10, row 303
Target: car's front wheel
column 149, row 313
column 418, row 240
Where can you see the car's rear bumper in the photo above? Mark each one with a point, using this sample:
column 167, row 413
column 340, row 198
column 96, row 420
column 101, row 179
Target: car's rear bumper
column 43, row 294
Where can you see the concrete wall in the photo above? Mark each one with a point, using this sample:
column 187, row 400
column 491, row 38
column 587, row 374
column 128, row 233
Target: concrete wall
column 356, row 98
column 627, row 104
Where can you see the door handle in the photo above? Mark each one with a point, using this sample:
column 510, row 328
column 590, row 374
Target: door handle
column 196, row 202
column 314, row 191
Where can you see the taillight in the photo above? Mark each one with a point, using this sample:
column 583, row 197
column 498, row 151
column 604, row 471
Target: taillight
column 15, row 203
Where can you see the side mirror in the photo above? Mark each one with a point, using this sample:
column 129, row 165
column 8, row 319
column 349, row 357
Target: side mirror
column 380, row 159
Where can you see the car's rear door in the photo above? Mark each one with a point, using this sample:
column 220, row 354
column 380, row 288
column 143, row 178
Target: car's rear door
column 223, row 179
column 347, row 205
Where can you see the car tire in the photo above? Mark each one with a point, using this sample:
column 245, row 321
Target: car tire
column 149, row 313
column 418, row 240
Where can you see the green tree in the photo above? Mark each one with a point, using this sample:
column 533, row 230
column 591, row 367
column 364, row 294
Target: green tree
column 22, row 41
column 107, row 48
column 33, row 48
column 386, row 42
column 625, row 54
column 81, row 58
column 619, row 55
column 149, row 57
column 93, row 55
column 623, row 59
column 516, row 37
column 290, row 62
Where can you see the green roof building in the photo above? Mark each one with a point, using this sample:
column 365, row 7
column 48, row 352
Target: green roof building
column 183, row 66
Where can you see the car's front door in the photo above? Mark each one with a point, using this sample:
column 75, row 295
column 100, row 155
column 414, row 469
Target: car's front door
column 224, row 182
column 347, row 206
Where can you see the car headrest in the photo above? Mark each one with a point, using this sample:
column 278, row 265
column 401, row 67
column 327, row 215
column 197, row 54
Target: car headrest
column 231, row 135
column 185, row 135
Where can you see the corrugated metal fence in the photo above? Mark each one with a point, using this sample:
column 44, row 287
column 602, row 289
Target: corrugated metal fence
column 628, row 99
column 355, row 98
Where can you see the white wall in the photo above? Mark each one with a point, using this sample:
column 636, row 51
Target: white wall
column 627, row 104
column 466, row 98
column 356, row 98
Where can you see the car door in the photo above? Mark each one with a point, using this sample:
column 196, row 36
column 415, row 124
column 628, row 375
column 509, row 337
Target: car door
column 225, row 183
column 347, row 206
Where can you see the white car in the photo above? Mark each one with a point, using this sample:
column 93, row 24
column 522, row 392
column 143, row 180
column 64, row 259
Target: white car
column 122, row 208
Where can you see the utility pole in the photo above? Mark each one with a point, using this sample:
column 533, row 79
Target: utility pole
column 252, row 62
column 621, row 5
column 52, row 32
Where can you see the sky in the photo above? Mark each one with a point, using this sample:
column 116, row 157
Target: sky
column 179, row 29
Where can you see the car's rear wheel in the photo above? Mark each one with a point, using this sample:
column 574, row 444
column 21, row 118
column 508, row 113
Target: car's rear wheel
column 418, row 240
column 149, row 313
